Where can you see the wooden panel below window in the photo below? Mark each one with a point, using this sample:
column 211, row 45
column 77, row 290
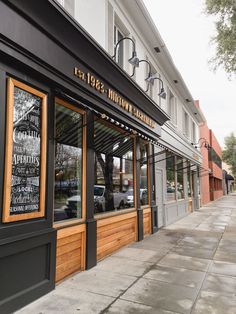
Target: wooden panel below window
column 190, row 205
column 70, row 256
column 147, row 221
column 115, row 232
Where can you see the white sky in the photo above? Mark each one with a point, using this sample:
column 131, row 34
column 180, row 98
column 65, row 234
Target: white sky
column 187, row 31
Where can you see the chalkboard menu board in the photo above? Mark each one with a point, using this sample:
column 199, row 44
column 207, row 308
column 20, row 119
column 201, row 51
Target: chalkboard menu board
column 25, row 154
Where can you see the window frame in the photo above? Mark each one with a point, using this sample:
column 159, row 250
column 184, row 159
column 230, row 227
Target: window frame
column 186, row 130
column 117, row 30
column 73, row 221
column 172, row 107
column 6, row 217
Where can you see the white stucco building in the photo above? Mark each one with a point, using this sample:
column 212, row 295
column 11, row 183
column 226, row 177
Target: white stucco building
column 108, row 21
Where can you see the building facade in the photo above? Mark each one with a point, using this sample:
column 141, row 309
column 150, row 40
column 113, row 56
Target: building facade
column 89, row 162
column 211, row 174
column 177, row 190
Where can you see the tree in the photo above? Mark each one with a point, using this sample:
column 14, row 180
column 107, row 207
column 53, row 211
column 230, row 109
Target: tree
column 229, row 153
column 225, row 38
column 107, row 165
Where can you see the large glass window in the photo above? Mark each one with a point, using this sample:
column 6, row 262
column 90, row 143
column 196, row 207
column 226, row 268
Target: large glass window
column 143, row 173
column 170, row 177
column 180, row 178
column 113, row 165
column 189, row 180
column 68, row 164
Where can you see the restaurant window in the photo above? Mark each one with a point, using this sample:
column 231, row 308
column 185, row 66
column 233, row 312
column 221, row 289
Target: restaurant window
column 170, row 177
column 143, row 173
column 189, row 180
column 68, row 162
column 180, row 178
column 113, row 167
column 118, row 35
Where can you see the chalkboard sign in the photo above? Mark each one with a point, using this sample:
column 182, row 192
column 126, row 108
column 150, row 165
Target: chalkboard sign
column 24, row 188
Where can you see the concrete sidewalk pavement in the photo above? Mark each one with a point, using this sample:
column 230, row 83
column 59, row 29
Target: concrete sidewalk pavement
column 188, row 267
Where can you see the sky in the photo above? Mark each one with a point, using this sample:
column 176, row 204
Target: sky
column 187, row 31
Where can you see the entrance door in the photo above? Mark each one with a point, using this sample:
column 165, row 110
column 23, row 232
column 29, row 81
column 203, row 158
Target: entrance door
column 159, row 197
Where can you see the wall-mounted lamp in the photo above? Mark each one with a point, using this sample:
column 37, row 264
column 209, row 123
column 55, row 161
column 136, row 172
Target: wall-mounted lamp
column 134, row 60
column 149, row 71
column 150, row 80
column 204, row 142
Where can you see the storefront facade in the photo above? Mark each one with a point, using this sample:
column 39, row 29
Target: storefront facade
column 76, row 152
column 177, row 168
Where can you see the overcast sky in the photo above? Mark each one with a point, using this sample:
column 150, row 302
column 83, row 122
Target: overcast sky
column 187, row 31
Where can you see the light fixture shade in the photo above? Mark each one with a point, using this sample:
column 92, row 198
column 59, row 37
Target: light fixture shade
column 162, row 93
column 134, row 60
column 150, row 79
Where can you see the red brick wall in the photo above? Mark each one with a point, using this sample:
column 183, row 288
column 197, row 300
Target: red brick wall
column 207, row 182
column 205, row 188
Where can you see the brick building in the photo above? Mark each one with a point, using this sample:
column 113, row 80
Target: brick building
column 211, row 173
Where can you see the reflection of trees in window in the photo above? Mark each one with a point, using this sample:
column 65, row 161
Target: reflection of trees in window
column 68, row 164
column 170, row 177
column 180, row 178
column 113, row 168
column 143, row 173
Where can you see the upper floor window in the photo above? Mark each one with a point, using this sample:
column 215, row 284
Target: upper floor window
column 172, row 107
column 68, row 5
column 118, row 35
column 194, row 138
column 186, row 124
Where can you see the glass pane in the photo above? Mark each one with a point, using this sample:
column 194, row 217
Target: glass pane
column 68, row 164
column 189, row 181
column 170, row 177
column 180, row 178
column 113, row 165
column 120, row 49
column 25, row 191
column 143, row 174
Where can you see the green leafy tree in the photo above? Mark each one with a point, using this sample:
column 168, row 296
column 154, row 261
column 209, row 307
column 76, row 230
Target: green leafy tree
column 229, row 153
column 225, row 38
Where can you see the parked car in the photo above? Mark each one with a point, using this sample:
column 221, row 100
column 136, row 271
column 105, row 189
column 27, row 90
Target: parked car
column 120, row 199
column 71, row 209
column 130, row 197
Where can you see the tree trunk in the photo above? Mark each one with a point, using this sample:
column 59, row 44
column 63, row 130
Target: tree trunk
column 107, row 169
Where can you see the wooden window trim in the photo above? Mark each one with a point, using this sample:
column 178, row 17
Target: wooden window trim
column 76, row 221
column 9, row 148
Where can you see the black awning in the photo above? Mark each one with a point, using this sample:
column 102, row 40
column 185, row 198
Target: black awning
column 229, row 177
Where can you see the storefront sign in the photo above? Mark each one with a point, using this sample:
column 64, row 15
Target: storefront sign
column 112, row 95
column 25, row 154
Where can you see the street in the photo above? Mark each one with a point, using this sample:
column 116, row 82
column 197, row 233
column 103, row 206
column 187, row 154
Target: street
column 187, row 267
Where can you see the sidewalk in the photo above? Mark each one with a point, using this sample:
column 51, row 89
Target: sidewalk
column 188, row 267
